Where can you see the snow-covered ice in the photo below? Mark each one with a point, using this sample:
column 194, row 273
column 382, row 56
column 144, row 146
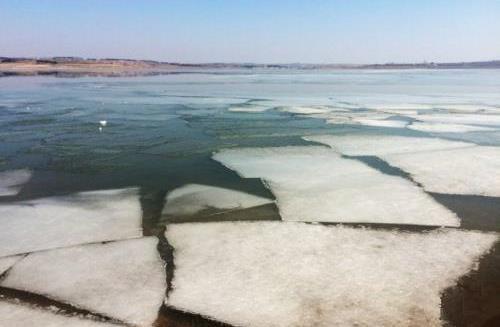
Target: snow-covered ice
column 439, row 165
column 123, row 280
column 294, row 274
column 192, row 198
column 54, row 222
column 11, row 181
column 447, row 128
column 18, row 315
column 313, row 183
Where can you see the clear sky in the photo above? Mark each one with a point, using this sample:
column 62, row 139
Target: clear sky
column 272, row 31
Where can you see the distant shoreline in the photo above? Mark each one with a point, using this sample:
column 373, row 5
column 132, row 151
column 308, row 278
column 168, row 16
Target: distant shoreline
column 79, row 67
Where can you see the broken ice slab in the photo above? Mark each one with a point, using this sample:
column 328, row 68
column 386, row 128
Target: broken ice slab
column 194, row 198
column 316, row 184
column 124, row 280
column 474, row 170
column 447, row 128
column 249, row 108
column 308, row 110
column 467, row 119
column 55, row 222
column 18, row 315
column 7, row 262
column 11, row 181
column 295, row 274
column 441, row 166
column 381, row 122
column 379, row 145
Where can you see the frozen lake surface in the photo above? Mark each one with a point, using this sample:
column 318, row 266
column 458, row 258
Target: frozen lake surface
column 251, row 198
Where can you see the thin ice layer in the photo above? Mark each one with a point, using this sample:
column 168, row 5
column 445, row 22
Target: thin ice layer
column 123, row 280
column 472, row 170
column 293, row 274
column 316, row 184
column 54, row 222
column 17, row 315
column 379, row 145
column 11, row 181
column 7, row 262
column 439, row 165
column 447, row 128
column 192, row 198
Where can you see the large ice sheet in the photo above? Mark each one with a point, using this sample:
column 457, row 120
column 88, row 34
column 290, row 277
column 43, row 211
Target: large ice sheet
column 314, row 183
column 7, row 262
column 379, row 145
column 439, row 165
column 54, row 222
column 293, row 274
column 192, row 198
column 447, row 128
column 473, row 170
column 123, row 280
column 17, row 315
column 11, row 181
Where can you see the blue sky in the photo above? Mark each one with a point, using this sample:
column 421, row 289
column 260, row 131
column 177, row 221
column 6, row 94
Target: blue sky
column 349, row 31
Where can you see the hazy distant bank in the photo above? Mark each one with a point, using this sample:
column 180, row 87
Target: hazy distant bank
column 73, row 66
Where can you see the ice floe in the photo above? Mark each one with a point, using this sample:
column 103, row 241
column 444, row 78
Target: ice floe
column 457, row 107
column 466, row 119
column 307, row 110
column 402, row 107
column 11, row 181
column 439, row 165
column 293, row 274
column 54, row 222
column 473, row 170
column 193, row 198
column 248, row 107
column 381, row 122
column 123, row 280
column 7, row 262
column 379, row 145
column 374, row 119
column 17, row 315
column 314, row 183
column 13, row 314
column 447, row 128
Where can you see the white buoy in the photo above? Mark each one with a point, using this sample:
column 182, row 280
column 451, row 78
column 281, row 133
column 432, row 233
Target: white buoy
column 103, row 123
